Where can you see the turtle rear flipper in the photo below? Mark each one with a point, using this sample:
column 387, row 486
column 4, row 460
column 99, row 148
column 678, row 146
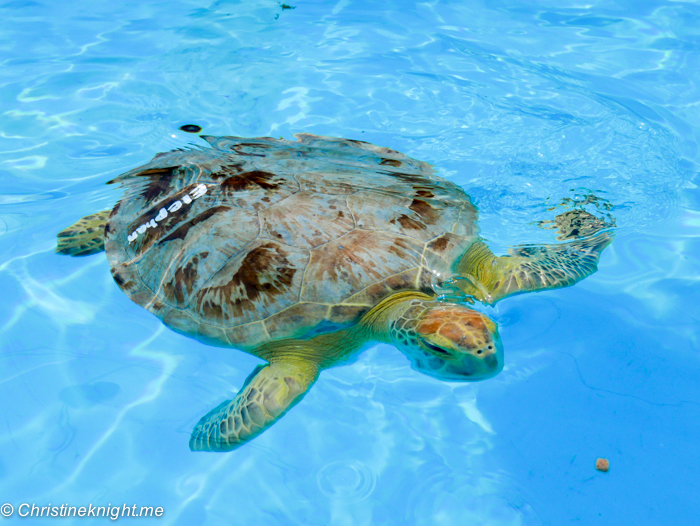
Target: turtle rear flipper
column 85, row 237
column 529, row 268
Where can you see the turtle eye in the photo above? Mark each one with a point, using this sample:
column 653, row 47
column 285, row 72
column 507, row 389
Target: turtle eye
column 434, row 347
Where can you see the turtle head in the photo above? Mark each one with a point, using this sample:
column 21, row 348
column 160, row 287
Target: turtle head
column 448, row 341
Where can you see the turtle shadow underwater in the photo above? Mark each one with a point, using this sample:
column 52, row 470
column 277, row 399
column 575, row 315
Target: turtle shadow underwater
column 303, row 253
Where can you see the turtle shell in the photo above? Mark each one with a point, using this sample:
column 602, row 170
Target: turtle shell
column 261, row 239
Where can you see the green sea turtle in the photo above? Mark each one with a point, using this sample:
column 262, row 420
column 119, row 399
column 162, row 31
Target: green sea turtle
column 304, row 252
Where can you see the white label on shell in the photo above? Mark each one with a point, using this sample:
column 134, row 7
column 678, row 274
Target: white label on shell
column 197, row 192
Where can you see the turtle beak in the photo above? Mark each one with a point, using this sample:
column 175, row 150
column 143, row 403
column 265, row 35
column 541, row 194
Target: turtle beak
column 473, row 367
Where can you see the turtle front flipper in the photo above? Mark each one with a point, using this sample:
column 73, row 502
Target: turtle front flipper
column 529, row 268
column 268, row 393
column 85, row 237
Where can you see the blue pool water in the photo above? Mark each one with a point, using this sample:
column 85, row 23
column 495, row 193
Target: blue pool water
column 524, row 104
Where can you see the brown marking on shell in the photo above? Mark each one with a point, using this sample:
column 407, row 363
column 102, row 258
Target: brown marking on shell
column 306, row 220
column 181, row 287
column 257, row 189
column 120, row 278
column 161, row 171
column 391, row 162
column 160, row 182
column 227, row 170
column 256, row 284
column 427, row 212
column 412, row 179
column 438, row 245
column 182, row 231
column 364, row 156
column 249, row 180
column 402, row 281
column 115, row 210
column 417, row 218
column 158, row 306
column 408, row 223
column 443, row 253
column 353, row 262
column 423, row 192
column 139, row 294
column 375, row 211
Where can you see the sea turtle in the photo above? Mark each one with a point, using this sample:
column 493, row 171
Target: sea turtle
column 304, row 252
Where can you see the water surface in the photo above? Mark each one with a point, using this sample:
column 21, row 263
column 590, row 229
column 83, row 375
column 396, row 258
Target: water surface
column 524, row 106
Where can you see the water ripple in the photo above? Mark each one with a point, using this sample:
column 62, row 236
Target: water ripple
column 346, row 481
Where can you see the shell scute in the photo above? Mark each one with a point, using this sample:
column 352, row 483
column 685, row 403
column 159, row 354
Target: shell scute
column 443, row 253
column 257, row 189
column 306, row 220
column 194, row 252
column 255, row 283
column 247, row 336
column 298, row 317
column 355, row 261
column 410, row 215
column 373, row 294
column 347, row 314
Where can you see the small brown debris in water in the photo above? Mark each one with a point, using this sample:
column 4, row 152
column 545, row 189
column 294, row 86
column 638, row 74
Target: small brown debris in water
column 602, row 464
